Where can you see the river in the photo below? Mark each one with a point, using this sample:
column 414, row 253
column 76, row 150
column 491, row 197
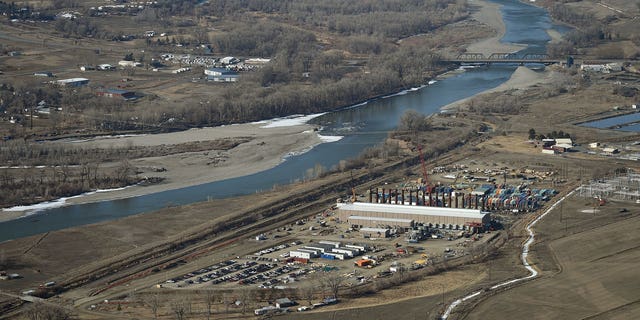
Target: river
column 362, row 126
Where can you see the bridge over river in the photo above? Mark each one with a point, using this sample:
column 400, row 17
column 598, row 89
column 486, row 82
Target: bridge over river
column 472, row 58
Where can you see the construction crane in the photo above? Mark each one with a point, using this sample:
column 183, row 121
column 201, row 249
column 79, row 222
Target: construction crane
column 424, row 170
column 353, row 188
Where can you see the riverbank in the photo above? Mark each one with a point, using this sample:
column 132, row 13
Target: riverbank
column 269, row 144
column 489, row 13
column 521, row 79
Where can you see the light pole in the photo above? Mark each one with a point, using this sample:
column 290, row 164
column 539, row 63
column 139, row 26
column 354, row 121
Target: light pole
column 443, row 304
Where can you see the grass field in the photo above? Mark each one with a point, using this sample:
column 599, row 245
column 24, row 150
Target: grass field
column 589, row 268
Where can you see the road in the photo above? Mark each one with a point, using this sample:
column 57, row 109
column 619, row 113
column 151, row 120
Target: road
column 533, row 273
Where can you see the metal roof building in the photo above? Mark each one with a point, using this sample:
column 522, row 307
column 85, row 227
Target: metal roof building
column 73, row 82
column 438, row 217
column 379, row 221
column 374, row 232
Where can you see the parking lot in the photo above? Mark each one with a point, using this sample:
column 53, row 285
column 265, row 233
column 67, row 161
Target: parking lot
column 272, row 267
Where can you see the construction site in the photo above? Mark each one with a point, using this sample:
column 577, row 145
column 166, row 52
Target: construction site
column 398, row 235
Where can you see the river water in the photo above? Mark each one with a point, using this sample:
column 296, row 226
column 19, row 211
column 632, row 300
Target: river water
column 362, row 126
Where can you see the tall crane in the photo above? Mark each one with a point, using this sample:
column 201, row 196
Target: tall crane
column 424, row 170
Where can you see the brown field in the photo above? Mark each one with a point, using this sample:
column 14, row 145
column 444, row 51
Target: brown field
column 588, row 263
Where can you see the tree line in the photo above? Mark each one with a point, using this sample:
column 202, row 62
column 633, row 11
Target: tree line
column 589, row 32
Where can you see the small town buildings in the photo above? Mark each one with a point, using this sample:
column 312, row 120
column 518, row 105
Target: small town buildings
column 221, row 75
column 106, row 67
column 566, row 141
column 610, row 150
column 126, row 63
column 548, row 142
column 284, row 303
column 614, row 67
column 604, row 68
column 47, row 74
column 594, row 145
column 549, row 151
column 561, row 147
column 117, row 93
column 72, row 82
column 592, row 67
column 257, row 61
column 265, row 310
column 43, row 108
column 229, row 60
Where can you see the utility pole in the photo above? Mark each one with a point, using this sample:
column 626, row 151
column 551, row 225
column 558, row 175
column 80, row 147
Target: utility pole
column 489, row 264
column 444, row 307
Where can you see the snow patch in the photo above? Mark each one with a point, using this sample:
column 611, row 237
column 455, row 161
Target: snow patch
column 327, row 139
column 290, row 121
column 33, row 208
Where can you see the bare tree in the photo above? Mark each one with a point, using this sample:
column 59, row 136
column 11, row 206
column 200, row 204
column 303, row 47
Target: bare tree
column 307, row 293
column 154, row 303
column 246, row 295
column 124, row 170
column 3, row 260
column 413, row 121
column 226, row 300
column 41, row 311
column 209, row 300
column 333, row 283
column 401, row 274
column 201, row 35
column 180, row 307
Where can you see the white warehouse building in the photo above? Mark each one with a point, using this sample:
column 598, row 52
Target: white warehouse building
column 437, row 217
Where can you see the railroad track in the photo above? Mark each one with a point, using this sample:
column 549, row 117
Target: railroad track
column 102, row 279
